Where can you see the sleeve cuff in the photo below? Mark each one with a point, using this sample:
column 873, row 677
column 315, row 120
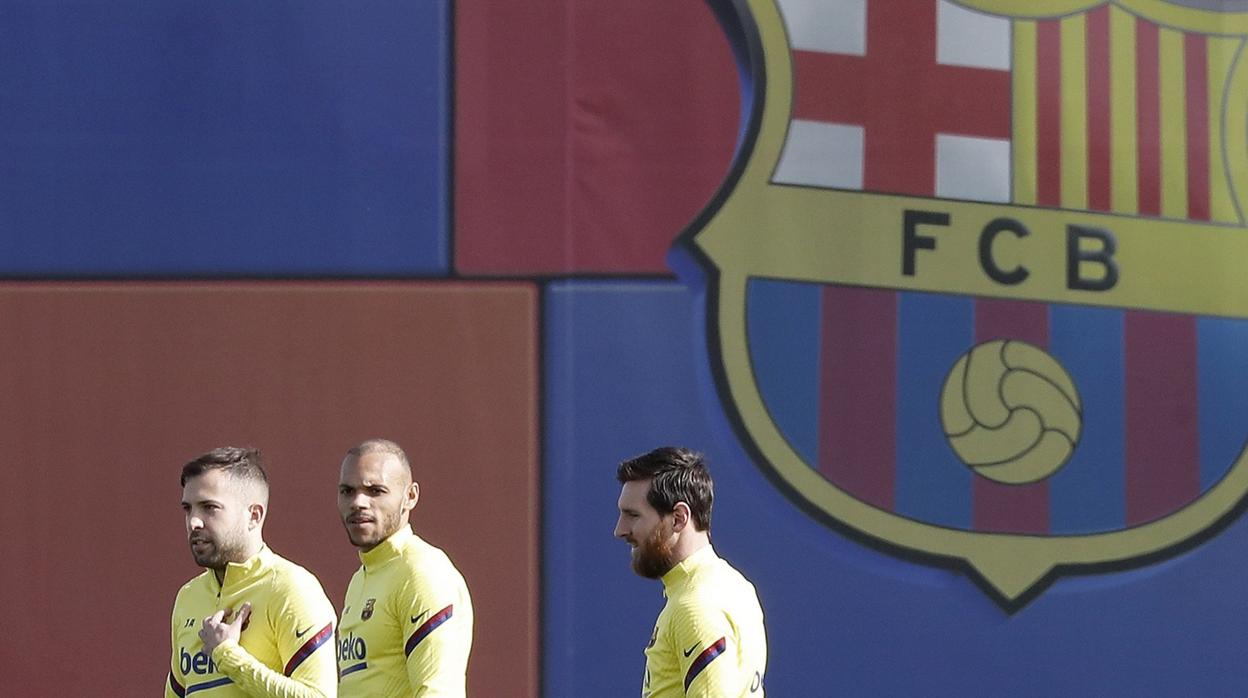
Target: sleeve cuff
column 226, row 654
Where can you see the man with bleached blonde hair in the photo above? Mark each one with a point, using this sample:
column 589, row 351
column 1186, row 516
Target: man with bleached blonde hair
column 406, row 626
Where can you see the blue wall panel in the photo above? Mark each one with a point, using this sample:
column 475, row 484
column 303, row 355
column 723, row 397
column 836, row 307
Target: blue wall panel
column 625, row 367
column 192, row 138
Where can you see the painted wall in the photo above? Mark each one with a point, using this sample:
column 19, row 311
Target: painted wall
column 477, row 228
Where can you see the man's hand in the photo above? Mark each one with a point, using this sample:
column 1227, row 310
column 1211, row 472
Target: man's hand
column 216, row 630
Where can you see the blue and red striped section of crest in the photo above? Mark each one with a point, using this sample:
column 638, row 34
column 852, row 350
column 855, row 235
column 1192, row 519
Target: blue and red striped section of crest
column 857, row 397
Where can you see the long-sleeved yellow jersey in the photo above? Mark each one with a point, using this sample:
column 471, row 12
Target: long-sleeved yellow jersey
column 286, row 647
column 709, row 640
column 406, row 625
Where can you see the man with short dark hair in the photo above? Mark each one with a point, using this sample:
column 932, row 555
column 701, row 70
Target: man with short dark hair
column 709, row 639
column 406, row 626
column 253, row 623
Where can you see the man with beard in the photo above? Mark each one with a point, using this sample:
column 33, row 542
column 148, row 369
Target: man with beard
column 709, row 639
column 406, row 625
column 253, row 623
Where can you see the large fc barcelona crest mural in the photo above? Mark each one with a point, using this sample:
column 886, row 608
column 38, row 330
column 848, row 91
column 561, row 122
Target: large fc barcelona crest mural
column 976, row 302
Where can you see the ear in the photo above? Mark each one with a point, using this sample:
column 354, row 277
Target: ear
column 681, row 515
column 411, row 496
column 255, row 516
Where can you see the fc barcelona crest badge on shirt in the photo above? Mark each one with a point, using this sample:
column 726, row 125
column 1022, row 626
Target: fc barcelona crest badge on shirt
column 975, row 279
column 367, row 611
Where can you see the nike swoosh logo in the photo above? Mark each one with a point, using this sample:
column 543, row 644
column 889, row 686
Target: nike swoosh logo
column 301, row 633
column 416, row 619
column 691, row 649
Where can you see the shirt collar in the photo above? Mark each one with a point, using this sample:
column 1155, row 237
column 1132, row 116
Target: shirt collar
column 388, row 549
column 686, row 568
column 236, row 572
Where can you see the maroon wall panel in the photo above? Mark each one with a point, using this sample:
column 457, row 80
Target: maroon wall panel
column 588, row 134
column 107, row 388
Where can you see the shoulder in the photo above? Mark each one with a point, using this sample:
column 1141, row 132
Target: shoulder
column 286, row 576
column 695, row 608
column 424, row 560
column 718, row 590
column 195, row 585
column 725, row 578
column 425, row 572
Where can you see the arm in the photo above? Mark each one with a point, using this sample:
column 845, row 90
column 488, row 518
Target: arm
column 259, row 680
column 310, row 670
column 173, row 689
column 436, row 617
column 710, row 660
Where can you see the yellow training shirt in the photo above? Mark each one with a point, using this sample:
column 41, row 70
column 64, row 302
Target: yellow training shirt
column 709, row 639
column 406, row 625
column 286, row 647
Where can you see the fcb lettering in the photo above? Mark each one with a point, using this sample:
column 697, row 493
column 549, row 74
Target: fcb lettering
column 1086, row 247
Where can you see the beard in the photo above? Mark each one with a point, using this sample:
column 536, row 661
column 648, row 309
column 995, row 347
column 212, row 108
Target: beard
column 653, row 557
column 218, row 551
column 384, row 526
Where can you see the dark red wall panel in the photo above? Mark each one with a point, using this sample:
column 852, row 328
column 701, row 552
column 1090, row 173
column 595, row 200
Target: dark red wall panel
column 107, row 388
column 588, row 134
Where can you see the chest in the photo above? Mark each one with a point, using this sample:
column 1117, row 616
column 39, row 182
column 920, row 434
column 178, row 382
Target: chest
column 191, row 662
column 369, row 629
column 663, row 675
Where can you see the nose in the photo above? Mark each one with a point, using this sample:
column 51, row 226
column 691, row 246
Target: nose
column 359, row 501
column 193, row 523
column 620, row 530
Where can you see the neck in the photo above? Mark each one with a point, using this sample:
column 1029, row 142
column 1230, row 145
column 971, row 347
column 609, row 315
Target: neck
column 253, row 547
column 373, row 546
column 690, row 542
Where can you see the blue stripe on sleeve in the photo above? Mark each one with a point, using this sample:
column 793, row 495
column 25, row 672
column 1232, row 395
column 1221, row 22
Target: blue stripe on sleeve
column 708, row 655
column 430, row 625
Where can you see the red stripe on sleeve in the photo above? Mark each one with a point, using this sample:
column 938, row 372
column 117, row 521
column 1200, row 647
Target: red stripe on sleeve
column 308, row 648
